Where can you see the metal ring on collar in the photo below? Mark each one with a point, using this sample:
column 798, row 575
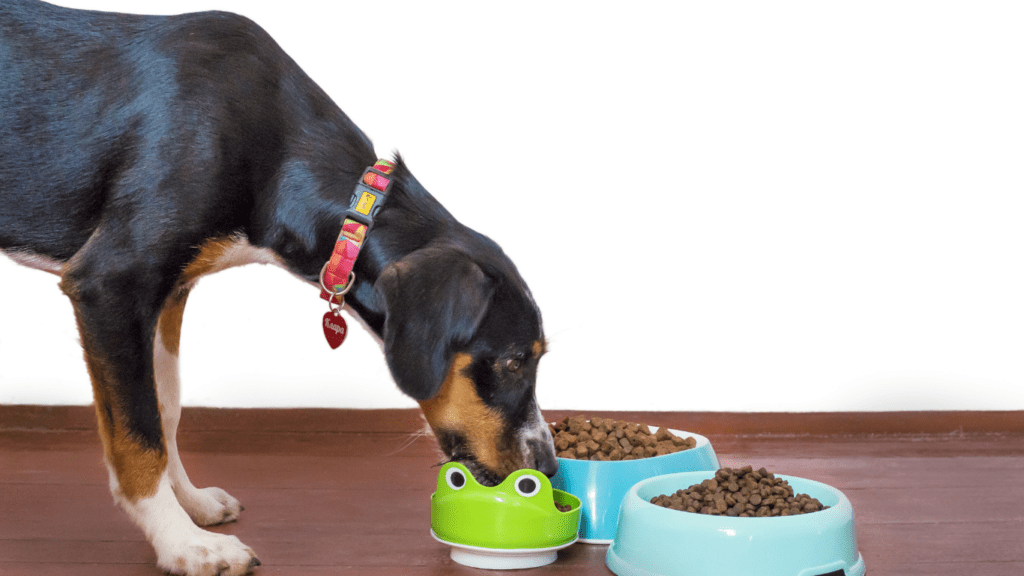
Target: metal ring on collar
column 348, row 285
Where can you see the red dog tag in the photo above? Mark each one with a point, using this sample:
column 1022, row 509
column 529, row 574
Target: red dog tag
column 335, row 329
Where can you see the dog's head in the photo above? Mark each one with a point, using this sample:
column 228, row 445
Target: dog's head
column 463, row 336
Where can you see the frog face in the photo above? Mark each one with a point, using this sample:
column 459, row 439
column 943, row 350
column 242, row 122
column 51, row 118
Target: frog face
column 519, row 512
column 519, row 489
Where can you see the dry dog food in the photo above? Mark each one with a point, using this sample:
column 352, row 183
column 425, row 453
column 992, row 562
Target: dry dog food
column 563, row 507
column 606, row 439
column 744, row 492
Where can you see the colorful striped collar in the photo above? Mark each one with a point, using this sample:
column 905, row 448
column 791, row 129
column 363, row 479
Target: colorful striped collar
column 337, row 277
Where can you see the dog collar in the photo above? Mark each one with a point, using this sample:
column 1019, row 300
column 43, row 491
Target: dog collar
column 337, row 277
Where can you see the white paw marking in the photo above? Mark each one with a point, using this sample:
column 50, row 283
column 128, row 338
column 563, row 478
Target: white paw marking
column 210, row 506
column 182, row 547
column 201, row 553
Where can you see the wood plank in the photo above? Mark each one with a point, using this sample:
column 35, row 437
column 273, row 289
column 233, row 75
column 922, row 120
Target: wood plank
column 850, row 473
column 948, row 569
column 1011, row 422
column 80, row 569
column 880, row 446
column 954, row 542
column 226, row 419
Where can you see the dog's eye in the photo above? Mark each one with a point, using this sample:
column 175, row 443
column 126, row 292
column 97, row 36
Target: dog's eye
column 515, row 363
column 455, row 478
column 527, row 486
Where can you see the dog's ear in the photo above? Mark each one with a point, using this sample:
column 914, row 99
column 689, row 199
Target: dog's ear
column 434, row 299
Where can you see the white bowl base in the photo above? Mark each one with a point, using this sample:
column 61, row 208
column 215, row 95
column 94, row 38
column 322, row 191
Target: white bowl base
column 502, row 558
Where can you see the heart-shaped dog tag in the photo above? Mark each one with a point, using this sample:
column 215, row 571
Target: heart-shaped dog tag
column 335, row 329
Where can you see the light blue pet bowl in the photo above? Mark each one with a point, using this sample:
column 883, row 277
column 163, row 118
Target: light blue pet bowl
column 602, row 484
column 652, row 540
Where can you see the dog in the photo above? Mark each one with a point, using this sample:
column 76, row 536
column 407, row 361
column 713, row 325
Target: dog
column 141, row 153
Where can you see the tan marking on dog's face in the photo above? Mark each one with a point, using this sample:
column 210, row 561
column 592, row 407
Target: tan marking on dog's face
column 458, row 408
column 539, row 348
column 170, row 320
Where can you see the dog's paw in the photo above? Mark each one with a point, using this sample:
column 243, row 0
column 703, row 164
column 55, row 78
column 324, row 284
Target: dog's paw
column 210, row 506
column 202, row 553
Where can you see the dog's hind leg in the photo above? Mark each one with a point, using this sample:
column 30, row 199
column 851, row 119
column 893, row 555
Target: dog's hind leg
column 206, row 506
column 115, row 289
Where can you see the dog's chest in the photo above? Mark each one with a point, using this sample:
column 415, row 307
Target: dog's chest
column 220, row 254
column 33, row 260
column 214, row 256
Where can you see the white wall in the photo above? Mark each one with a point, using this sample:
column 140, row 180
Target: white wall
column 765, row 206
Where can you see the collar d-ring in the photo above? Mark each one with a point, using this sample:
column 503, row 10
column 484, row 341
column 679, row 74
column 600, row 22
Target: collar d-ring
column 337, row 295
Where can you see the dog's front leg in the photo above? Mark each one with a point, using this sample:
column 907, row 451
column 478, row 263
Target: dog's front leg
column 206, row 506
column 117, row 308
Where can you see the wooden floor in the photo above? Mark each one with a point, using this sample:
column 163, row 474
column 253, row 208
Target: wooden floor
column 346, row 492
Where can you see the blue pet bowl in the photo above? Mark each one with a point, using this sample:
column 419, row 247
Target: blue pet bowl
column 652, row 540
column 601, row 485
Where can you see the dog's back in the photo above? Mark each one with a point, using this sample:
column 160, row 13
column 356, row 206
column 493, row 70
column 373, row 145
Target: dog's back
column 64, row 120
column 101, row 109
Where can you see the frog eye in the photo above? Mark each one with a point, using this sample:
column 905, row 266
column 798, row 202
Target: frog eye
column 455, row 478
column 527, row 486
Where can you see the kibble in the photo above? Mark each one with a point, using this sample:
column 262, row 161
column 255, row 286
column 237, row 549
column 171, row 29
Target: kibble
column 743, row 492
column 580, row 438
column 563, row 507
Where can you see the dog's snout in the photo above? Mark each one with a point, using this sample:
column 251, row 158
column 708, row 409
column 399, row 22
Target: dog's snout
column 544, row 460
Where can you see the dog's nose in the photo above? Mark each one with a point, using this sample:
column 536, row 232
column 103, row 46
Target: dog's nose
column 544, row 460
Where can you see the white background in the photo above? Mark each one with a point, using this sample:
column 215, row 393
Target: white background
column 782, row 206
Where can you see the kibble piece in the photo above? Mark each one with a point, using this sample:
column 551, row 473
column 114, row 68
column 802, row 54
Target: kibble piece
column 561, row 442
column 631, row 436
column 576, row 424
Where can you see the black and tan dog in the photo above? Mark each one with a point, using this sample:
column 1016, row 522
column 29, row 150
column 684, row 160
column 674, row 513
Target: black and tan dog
column 140, row 153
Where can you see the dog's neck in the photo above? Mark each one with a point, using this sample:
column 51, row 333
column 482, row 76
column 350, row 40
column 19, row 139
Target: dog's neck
column 299, row 212
column 308, row 206
column 410, row 219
